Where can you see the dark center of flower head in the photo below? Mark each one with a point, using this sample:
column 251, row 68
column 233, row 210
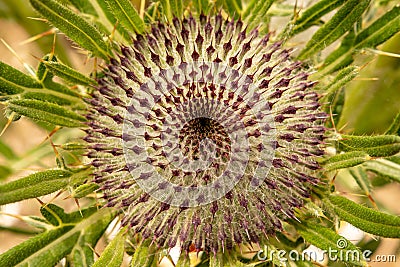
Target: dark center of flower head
column 205, row 134
column 199, row 130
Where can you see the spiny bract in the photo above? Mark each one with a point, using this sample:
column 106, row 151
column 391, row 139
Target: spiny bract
column 205, row 133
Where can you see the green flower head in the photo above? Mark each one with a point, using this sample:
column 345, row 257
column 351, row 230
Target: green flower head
column 204, row 132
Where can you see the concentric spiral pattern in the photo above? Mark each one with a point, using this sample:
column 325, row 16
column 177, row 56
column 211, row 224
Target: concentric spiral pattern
column 204, row 134
column 205, row 129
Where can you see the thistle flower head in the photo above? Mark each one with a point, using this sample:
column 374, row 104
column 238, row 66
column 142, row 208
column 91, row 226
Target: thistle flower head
column 205, row 133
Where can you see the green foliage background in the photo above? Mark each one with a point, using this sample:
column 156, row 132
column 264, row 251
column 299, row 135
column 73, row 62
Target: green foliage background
column 358, row 78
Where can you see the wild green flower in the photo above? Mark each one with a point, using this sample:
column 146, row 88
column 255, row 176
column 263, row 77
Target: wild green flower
column 194, row 81
column 205, row 131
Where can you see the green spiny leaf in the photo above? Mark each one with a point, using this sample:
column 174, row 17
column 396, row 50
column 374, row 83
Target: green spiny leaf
column 202, row 6
column 395, row 126
column 42, row 96
column 107, row 21
column 345, row 160
column 42, row 72
column 256, row 12
column 154, row 11
column 280, row 10
column 217, row 260
column 313, row 14
column 172, row 8
column 37, row 222
column 72, row 146
column 384, row 167
column 47, row 112
column 57, row 87
column 80, row 176
column 336, row 107
column 379, row 31
column 346, row 45
column 53, row 214
column 84, row 190
column 22, row 254
column 56, row 215
column 84, row 6
column 250, row 7
column 233, row 7
column 39, row 184
column 362, row 180
column 184, row 260
column 368, row 220
column 7, row 151
column 375, row 146
column 113, row 255
column 68, row 73
column 82, row 253
column 18, row 230
column 371, row 244
column 340, row 23
column 48, row 248
column 341, row 79
column 127, row 15
column 326, row 239
column 144, row 255
column 227, row 259
column 11, row 115
column 72, row 25
column 34, row 185
column 13, row 81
